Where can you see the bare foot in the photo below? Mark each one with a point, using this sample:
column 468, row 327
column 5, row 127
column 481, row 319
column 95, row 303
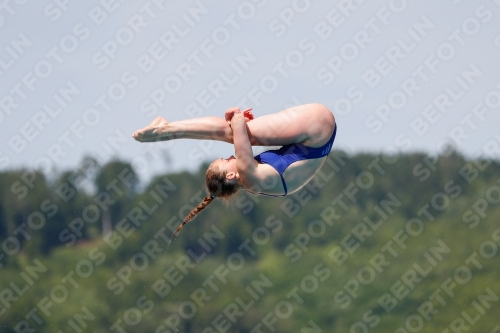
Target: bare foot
column 153, row 132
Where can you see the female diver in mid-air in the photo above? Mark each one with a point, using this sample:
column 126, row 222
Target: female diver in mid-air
column 306, row 133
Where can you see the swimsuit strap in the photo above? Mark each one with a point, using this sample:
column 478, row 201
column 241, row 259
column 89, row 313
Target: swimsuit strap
column 284, row 184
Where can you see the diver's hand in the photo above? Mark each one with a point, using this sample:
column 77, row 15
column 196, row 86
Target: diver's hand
column 235, row 110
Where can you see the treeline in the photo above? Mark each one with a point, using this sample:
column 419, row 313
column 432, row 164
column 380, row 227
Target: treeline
column 374, row 243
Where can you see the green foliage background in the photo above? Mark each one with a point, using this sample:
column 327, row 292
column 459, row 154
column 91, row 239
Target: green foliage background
column 294, row 255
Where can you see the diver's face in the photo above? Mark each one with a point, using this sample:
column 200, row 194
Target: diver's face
column 226, row 164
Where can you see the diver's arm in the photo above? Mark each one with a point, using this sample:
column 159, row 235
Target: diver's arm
column 245, row 162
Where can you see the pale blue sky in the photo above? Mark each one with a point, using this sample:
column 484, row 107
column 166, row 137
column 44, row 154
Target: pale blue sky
column 356, row 128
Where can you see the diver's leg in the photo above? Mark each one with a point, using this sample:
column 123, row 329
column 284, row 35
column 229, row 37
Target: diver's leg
column 206, row 128
column 310, row 124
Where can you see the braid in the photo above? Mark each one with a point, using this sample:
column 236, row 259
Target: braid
column 217, row 186
column 206, row 201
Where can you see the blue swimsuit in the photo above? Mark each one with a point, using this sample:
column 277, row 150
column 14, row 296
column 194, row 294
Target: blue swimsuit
column 281, row 158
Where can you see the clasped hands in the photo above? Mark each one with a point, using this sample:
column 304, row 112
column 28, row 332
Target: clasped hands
column 247, row 114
